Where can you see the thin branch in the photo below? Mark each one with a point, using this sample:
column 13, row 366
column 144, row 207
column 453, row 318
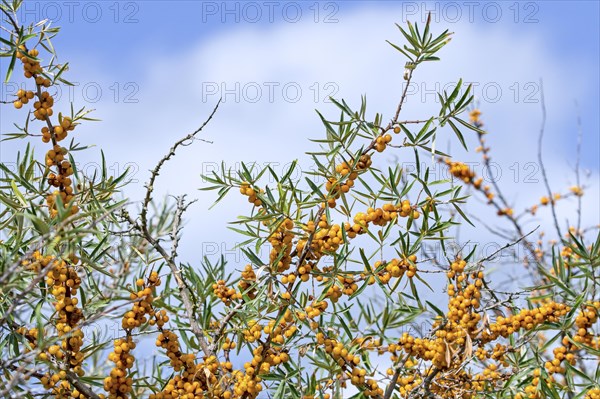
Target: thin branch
column 155, row 172
column 226, row 320
column 392, row 386
column 181, row 208
column 508, row 245
column 73, row 378
column 186, row 296
column 183, row 289
column 81, row 387
column 543, row 169
column 577, row 170
column 427, row 382
column 403, row 98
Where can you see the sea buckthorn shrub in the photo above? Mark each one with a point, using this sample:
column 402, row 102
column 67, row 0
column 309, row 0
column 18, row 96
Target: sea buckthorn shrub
column 339, row 296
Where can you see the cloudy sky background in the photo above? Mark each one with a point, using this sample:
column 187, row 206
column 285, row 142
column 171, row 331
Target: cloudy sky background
column 154, row 70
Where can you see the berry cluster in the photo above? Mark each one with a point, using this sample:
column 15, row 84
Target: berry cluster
column 281, row 243
column 226, row 294
column 350, row 363
column 346, row 284
column 460, row 334
column 462, row 172
column 119, row 384
column 327, row 238
column 474, row 118
column 43, row 107
column 63, row 282
column 526, row 319
column 248, row 191
column 247, row 282
column 384, row 270
column 188, row 385
column 61, row 273
column 23, row 97
column 348, row 174
column 43, row 111
column 382, row 142
column 586, row 318
column 593, row 393
column 253, row 332
column 382, row 216
column 195, row 381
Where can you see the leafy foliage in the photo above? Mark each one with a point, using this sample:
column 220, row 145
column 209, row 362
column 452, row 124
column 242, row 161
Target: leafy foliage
column 344, row 305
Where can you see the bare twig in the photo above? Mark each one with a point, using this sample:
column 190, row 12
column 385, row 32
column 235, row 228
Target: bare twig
column 543, row 169
column 155, row 172
column 403, row 98
column 577, row 171
column 506, row 246
column 181, row 208
column 169, row 258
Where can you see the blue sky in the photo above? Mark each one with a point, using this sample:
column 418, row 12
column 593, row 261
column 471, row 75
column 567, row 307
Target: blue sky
column 123, row 39
column 154, row 69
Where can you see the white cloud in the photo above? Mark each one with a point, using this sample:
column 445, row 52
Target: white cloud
column 355, row 58
column 346, row 59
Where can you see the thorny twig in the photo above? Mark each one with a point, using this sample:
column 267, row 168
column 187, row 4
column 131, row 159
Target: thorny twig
column 185, row 292
column 542, row 168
